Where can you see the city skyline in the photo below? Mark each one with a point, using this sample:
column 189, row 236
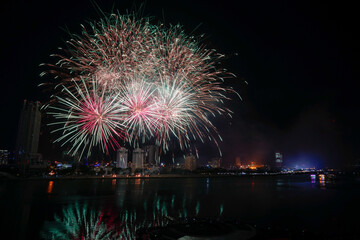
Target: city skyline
column 300, row 66
column 158, row 119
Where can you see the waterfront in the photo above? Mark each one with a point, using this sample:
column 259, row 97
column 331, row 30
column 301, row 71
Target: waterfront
column 294, row 203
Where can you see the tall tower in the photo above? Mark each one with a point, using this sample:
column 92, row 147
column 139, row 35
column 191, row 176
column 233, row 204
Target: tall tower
column 4, row 157
column 27, row 141
column 121, row 158
column 138, row 158
column 278, row 159
column 29, row 128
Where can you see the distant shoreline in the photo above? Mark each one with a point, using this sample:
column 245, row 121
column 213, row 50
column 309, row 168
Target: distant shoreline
column 51, row 178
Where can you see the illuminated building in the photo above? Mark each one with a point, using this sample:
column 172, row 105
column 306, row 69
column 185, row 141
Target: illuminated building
column 215, row 163
column 28, row 135
column 190, row 163
column 4, row 157
column 254, row 166
column 138, row 158
column 278, row 159
column 122, row 158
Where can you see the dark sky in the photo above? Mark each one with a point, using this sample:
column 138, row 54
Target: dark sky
column 300, row 59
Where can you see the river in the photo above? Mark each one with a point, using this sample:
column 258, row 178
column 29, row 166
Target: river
column 32, row 209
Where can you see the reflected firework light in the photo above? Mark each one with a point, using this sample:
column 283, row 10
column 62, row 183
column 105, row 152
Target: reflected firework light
column 78, row 222
column 155, row 82
column 84, row 221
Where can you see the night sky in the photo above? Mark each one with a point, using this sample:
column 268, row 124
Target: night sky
column 300, row 60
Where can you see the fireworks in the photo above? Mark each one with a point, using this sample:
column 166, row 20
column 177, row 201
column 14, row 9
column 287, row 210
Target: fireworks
column 146, row 82
column 87, row 118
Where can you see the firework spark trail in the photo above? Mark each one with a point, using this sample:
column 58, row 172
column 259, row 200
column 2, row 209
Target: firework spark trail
column 139, row 107
column 114, row 47
column 176, row 103
column 150, row 81
column 88, row 117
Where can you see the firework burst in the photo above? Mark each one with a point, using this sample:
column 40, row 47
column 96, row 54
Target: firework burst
column 139, row 106
column 87, row 118
column 147, row 81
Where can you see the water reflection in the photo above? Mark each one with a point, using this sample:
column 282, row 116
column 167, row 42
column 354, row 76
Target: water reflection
column 197, row 208
column 159, row 200
column 113, row 184
column 313, row 178
column 207, row 185
column 137, row 181
column 322, row 181
column 280, row 184
column 221, row 209
column 78, row 222
column 84, row 221
column 50, row 187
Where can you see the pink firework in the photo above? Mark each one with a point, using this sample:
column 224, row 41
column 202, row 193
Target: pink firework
column 139, row 108
column 88, row 118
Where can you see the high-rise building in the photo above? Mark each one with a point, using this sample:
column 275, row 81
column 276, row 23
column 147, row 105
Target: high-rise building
column 122, row 158
column 29, row 128
column 27, row 141
column 138, row 158
column 4, row 157
column 190, row 163
column 278, row 159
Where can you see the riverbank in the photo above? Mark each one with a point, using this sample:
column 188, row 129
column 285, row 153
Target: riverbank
column 158, row 176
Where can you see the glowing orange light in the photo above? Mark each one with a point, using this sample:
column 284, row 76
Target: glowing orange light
column 113, row 183
column 50, row 186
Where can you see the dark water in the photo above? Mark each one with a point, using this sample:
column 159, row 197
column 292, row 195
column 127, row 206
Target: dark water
column 29, row 208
